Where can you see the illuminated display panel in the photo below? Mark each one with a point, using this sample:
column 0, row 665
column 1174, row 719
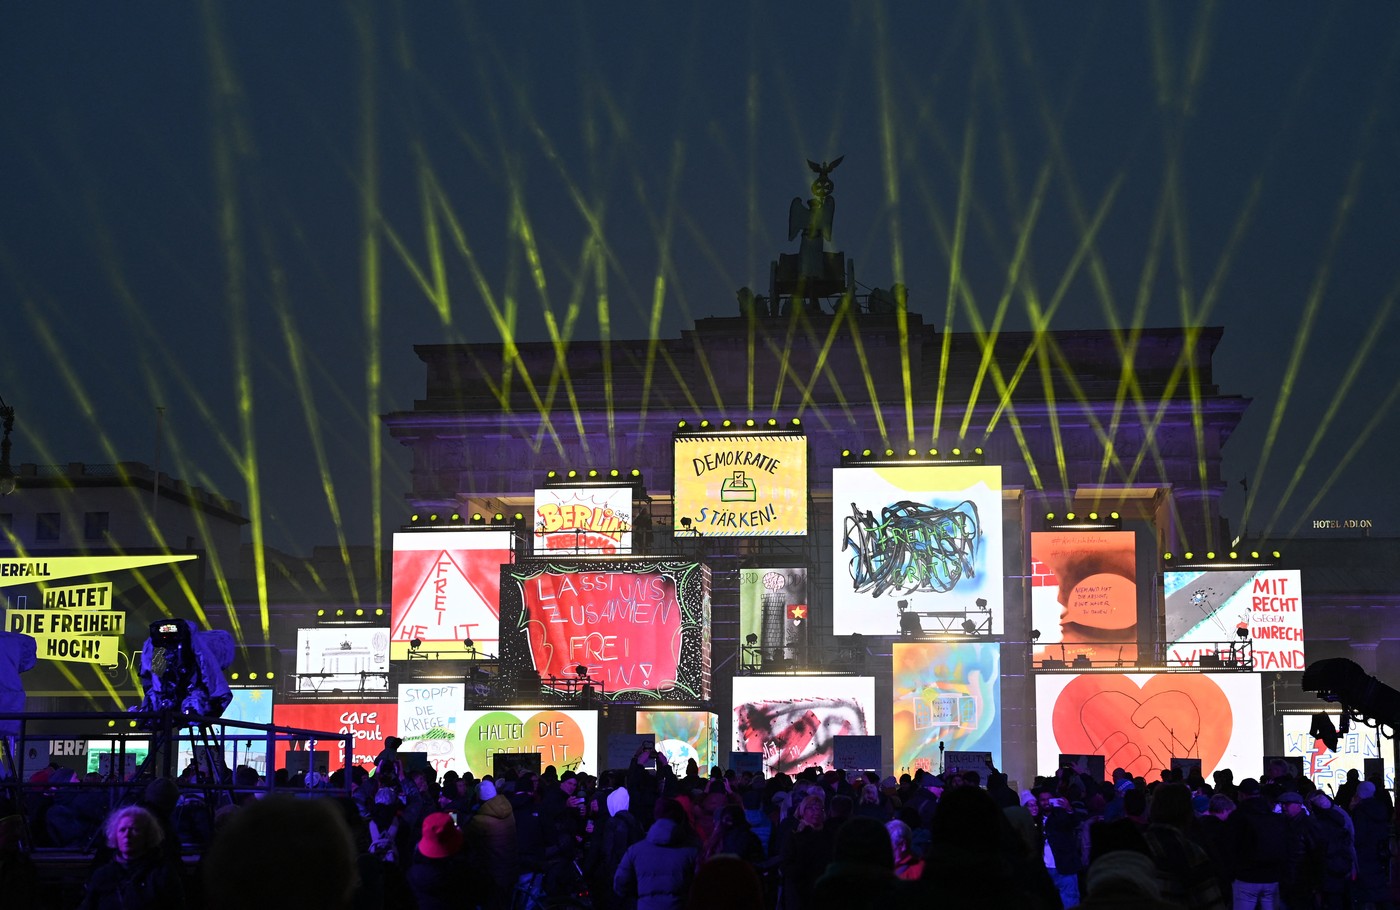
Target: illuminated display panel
column 90, row 617
column 567, row 740
column 1084, row 595
column 682, row 736
column 241, row 747
column 369, row 722
column 741, row 486
column 1140, row 721
column 945, row 693
column 792, row 720
column 349, row 658
column 446, row 589
column 583, row 520
column 1205, row 609
column 430, row 717
column 773, row 605
column 927, row 535
column 1328, row 770
column 640, row 626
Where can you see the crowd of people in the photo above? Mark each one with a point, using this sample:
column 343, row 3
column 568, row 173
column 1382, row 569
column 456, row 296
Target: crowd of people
column 646, row 838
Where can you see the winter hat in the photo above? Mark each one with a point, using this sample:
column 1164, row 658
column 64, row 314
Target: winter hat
column 1124, row 867
column 441, row 838
column 485, row 790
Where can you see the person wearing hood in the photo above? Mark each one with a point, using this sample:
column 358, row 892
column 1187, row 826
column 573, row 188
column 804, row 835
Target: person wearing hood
column 615, row 831
column 491, row 834
column 657, row 870
column 1371, row 819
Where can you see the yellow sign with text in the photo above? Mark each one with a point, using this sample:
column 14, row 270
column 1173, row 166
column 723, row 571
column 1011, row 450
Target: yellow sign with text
column 741, row 485
column 78, row 597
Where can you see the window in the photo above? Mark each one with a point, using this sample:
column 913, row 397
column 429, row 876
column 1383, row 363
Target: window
column 95, row 525
column 46, row 525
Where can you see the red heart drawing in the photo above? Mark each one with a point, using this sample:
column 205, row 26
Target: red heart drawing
column 1141, row 728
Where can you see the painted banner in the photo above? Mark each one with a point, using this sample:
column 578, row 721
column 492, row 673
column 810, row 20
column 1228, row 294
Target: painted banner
column 741, row 486
column 1328, row 770
column 1084, row 595
column 583, row 520
column 446, row 589
column 945, row 694
column 368, row 722
column 349, row 658
column 564, row 740
column 430, row 722
column 925, row 535
column 1205, row 610
column 773, row 605
column 636, row 627
column 792, row 721
column 682, row 736
column 1140, row 721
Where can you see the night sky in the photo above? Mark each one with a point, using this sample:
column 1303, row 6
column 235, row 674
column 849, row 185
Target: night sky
column 202, row 201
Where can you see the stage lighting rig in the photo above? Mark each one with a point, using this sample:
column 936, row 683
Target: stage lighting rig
column 1361, row 696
